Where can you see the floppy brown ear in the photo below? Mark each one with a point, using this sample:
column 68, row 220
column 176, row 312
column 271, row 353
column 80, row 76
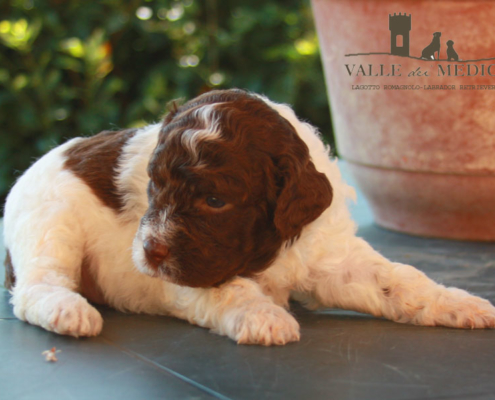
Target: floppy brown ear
column 305, row 193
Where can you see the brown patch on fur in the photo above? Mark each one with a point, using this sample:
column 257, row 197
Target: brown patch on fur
column 94, row 160
column 88, row 286
column 9, row 272
column 260, row 167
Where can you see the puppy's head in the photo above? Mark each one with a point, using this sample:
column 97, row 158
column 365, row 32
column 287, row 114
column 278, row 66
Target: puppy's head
column 230, row 182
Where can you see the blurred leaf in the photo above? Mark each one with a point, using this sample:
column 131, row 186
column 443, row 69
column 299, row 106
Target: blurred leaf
column 73, row 46
column 19, row 34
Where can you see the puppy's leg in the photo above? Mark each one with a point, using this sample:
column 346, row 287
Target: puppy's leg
column 366, row 281
column 239, row 310
column 47, row 252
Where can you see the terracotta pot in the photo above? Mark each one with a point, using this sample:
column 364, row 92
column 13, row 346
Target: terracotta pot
column 423, row 156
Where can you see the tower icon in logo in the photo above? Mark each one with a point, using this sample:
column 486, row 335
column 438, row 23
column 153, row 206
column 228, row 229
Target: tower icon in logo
column 400, row 26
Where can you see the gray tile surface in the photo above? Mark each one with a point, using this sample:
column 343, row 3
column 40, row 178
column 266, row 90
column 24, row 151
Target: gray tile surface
column 342, row 355
column 87, row 369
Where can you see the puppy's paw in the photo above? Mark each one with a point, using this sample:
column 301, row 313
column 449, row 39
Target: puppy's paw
column 458, row 309
column 58, row 310
column 75, row 317
column 266, row 324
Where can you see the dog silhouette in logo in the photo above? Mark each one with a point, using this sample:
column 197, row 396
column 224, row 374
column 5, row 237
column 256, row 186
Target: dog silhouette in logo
column 434, row 47
column 451, row 53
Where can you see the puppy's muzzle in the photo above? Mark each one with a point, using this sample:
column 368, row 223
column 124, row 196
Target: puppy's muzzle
column 156, row 252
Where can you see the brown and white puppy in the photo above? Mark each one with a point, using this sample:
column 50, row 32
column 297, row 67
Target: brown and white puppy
column 217, row 215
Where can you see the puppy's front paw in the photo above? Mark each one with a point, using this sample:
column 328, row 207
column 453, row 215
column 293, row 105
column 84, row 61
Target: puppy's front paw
column 266, row 324
column 58, row 310
column 75, row 317
column 457, row 308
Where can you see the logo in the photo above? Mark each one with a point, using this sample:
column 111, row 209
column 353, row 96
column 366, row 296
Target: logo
column 441, row 50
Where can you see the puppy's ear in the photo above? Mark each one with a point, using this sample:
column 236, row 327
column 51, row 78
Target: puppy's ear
column 304, row 192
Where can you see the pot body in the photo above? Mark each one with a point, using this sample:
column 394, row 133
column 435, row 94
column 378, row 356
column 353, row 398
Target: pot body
column 418, row 132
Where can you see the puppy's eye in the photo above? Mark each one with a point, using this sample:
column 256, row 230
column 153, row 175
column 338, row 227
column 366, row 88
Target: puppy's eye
column 215, row 202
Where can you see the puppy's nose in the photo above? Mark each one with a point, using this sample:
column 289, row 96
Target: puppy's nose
column 155, row 252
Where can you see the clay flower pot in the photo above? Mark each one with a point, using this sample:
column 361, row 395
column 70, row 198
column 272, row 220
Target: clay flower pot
column 415, row 122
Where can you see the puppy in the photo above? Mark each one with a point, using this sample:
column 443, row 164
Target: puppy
column 451, row 53
column 434, row 47
column 216, row 216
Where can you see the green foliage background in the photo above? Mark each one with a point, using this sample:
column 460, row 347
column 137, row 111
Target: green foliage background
column 76, row 67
